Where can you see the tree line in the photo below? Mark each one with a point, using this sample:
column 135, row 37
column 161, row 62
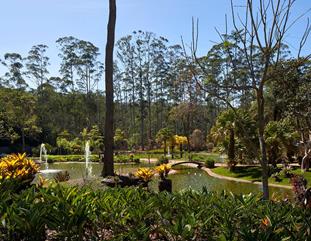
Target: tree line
column 152, row 86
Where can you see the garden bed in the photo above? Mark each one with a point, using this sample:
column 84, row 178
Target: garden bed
column 73, row 213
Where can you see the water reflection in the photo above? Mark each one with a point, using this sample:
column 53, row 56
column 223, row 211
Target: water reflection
column 185, row 178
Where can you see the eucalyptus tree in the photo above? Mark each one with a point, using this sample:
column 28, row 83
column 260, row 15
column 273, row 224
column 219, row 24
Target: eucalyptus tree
column 15, row 76
column 165, row 80
column 88, row 68
column 172, row 72
column 125, row 54
column 68, row 55
column 123, row 108
column 81, row 69
column 80, row 65
column 37, row 64
column 143, row 58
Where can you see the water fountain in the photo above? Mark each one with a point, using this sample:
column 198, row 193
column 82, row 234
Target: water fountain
column 44, row 156
column 168, row 152
column 88, row 168
column 44, row 159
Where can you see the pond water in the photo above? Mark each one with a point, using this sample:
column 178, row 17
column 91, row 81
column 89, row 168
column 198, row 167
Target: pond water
column 184, row 178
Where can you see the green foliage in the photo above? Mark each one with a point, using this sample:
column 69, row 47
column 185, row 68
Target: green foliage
column 164, row 135
column 162, row 160
column 71, row 158
column 94, row 158
column 67, row 144
column 18, row 119
column 71, row 213
column 120, row 141
column 95, row 137
column 49, row 148
column 235, row 133
column 133, row 141
column 196, row 157
column 280, row 136
column 209, row 163
column 126, row 158
column 37, row 63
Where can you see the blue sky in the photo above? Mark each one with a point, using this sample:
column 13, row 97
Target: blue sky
column 25, row 23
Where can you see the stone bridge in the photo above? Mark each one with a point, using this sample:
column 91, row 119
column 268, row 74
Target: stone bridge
column 199, row 164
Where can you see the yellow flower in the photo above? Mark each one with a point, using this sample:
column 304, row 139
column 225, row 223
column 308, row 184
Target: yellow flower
column 145, row 174
column 17, row 166
column 163, row 169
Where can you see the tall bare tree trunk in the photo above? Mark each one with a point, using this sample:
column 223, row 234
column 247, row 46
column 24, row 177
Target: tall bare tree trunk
column 23, row 140
column 108, row 155
column 262, row 143
column 142, row 115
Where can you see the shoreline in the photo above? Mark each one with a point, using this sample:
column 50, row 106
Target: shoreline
column 212, row 174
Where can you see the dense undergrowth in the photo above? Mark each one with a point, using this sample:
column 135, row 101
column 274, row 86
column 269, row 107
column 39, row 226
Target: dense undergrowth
column 72, row 213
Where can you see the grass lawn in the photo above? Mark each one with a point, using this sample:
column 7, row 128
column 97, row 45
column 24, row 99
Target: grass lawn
column 254, row 174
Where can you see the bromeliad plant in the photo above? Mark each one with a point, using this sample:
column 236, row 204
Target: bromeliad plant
column 17, row 168
column 163, row 170
column 164, row 184
column 145, row 174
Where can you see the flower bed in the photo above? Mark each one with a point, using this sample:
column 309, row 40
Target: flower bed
column 71, row 213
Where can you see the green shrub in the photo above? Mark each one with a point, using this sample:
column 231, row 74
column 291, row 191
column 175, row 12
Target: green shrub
column 209, row 163
column 126, row 159
column 71, row 158
column 136, row 160
column 93, row 158
column 72, row 213
column 197, row 158
column 162, row 160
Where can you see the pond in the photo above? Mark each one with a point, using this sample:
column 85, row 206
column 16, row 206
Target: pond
column 184, row 178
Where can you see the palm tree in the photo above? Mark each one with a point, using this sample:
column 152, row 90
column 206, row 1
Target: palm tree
column 225, row 126
column 163, row 136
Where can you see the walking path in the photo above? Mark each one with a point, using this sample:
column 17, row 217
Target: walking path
column 146, row 160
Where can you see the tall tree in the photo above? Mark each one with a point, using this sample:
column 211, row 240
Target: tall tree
column 108, row 169
column 37, row 63
column 68, row 55
column 260, row 37
column 80, row 66
column 14, row 77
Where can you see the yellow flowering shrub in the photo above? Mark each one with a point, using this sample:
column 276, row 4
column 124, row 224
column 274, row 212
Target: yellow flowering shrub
column 144, row 174
column 17, row 167
column 180, row 140
column 163, row 170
